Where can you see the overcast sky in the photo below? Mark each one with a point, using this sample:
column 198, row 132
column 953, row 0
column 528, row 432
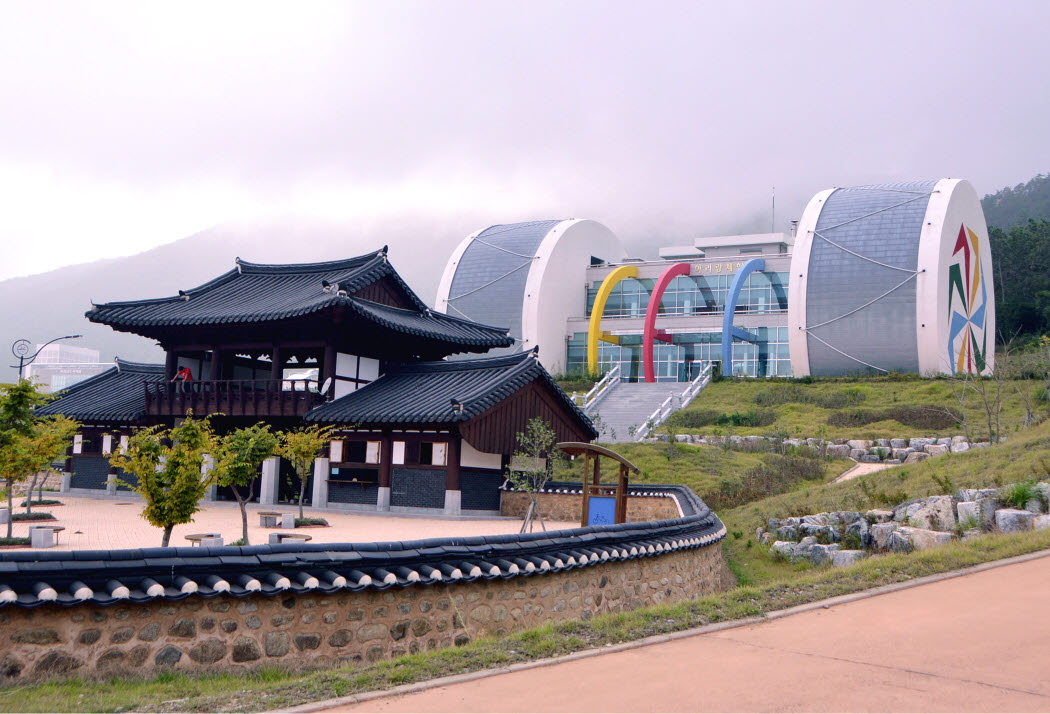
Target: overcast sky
column 127, row 125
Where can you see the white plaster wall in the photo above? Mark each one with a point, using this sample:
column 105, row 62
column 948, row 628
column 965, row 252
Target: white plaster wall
column 554, row 289
column 954, row 203
column 469, row 456
column 798, row 282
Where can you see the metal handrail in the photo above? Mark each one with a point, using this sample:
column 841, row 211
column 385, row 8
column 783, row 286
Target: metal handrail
column 656, row 418
column 667, row 408
column 589, row 400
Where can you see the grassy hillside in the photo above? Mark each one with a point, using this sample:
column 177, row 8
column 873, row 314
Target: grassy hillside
column 1026, row 455
column 804, row 410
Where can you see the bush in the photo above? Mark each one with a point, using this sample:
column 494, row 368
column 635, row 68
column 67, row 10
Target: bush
column 44, row 502
column 14, row 541
column 1018, row 495
column 35, row 516
column 694, row 419
column 795, row 394
column 299, row 522
column 777, row 474
column 914, row 416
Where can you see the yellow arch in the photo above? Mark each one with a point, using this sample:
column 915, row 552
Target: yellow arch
column 594, row 332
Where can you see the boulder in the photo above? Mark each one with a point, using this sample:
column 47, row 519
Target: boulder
column 882, row 534
column 960, row 439
column 899, row 543
column 820, row 519
column 922, row 539
column 900, row 453
column 971, row 533
column 936, row 449
column 879, row 515
column 915, row 457
column 838, row 451
column 898, row 443
column 945, row 441
column 960, row 447
column 980, row 445
column 844, row 558
column 858, row 454
column 919, row 443
column 870, row 459
column 1014, row 520
column 937, row 513
column 975, row 494
column 969, row 514
column 904, row 512
column 859, row 444
column 885, row 443
column 988, row 507
column 1035, row 505
column 892, row 462
column 821, row 554
column 844, row 518
column 1040, row 523
column 785, row 548
column 860, row 529
column 682, row 438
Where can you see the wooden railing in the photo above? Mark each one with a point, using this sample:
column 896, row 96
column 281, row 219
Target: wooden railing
column 233, row 397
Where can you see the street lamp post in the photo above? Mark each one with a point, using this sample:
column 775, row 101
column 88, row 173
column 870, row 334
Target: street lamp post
column 20, row 349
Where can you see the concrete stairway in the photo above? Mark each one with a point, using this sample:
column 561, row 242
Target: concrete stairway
column 629, row 405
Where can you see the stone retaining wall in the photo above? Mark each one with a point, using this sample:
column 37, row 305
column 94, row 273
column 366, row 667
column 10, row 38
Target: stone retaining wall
column 567, row 506
column 228, row 633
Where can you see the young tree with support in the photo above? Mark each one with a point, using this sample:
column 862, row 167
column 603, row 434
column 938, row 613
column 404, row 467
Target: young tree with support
column 532, row 466
column 171, row 478
column 301, row 447
column 28, row 444
column 238, row 457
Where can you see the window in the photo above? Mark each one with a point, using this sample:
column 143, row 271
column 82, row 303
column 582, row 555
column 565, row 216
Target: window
column 432, row 453
column 399, row 453
column 362, row 452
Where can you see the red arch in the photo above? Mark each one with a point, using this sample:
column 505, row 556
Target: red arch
column 650, row 334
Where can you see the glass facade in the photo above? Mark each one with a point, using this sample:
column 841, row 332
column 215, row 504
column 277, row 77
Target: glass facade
column 701, row 293
column 684, row 357
column 695, row 294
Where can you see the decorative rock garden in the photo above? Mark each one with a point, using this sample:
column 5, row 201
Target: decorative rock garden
column 843, row 537
column 884, row 451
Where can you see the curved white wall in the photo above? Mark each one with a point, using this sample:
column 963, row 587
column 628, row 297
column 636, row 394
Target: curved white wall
column 954, row 207
column 797, row 282
column 556, row 287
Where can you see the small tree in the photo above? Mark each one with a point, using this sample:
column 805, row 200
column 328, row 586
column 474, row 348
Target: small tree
column 28, row 444
column 49, row 444
column 238, row 457
column 170, row 477
column 532, row 466
column 301, row 447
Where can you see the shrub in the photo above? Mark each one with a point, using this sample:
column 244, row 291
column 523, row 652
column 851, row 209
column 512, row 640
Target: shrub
column 310, row 522
column 796, row 394
column 694, row 418
column 44, row 502
column 35, row 516
column 1018, row 495
column 916, row 417
column 777, row 474
column 14, row 541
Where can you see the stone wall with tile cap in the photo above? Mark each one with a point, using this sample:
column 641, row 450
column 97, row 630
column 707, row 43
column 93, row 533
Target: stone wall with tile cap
column 314, row 630
column 561, row 506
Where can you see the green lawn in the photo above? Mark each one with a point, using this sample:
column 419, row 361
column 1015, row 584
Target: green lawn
column 810, row 420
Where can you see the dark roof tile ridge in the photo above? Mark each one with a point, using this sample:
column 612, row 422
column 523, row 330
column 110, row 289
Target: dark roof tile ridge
column 79, row 386
column 210, row 285
column 316, row 267
column 432, row 313
column 460, row 365
column 146, row 367
column 486, row 391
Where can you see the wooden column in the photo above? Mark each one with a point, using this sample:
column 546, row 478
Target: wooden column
column 216, row 363
column 277, row 363
column 386, row 471
column 328, row 363
column 171, row 364
column 453, row 494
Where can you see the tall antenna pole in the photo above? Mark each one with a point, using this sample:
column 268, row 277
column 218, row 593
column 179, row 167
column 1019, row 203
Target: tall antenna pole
column 773, row 216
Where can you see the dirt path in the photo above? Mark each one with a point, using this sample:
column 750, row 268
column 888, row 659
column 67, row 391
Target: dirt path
column 860, row 470
column 980, row 642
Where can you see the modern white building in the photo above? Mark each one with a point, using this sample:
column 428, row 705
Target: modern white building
column 892, row 277
column 59, row 366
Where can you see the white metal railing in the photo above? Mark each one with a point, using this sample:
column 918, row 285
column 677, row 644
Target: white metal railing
column 667, row 407
column 697, row 385
column 588, row 401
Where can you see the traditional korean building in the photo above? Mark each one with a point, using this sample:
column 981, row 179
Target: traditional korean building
column 345, row 343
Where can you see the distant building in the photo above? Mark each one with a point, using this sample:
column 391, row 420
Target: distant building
column 889, row 277
column 59, row 366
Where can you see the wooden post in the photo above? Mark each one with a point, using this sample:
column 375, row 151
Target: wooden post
column 216, row 364
column 171, row 364
column 621, row 496
column 453, row 494
column 276, row 364
column 585, row 507
column 386, row 471
column 328, row 363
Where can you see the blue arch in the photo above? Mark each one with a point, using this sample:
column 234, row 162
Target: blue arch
column 729, row 331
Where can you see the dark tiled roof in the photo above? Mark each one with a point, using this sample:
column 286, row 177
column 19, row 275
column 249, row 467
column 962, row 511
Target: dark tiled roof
column 423, row 392
column 255, row 293
column 108, row 577
column 116, row 395
column 432, row 325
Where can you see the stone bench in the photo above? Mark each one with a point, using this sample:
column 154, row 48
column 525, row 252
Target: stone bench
column 275, row 519
column 44, row 536
column 205, row 539
column 278, row 538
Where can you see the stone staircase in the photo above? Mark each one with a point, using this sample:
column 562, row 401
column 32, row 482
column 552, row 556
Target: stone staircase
column 629, row 404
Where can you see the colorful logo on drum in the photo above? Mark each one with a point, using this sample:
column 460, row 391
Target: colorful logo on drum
column 967, row 305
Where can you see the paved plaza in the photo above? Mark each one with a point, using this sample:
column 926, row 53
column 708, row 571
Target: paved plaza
column 92, row 522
